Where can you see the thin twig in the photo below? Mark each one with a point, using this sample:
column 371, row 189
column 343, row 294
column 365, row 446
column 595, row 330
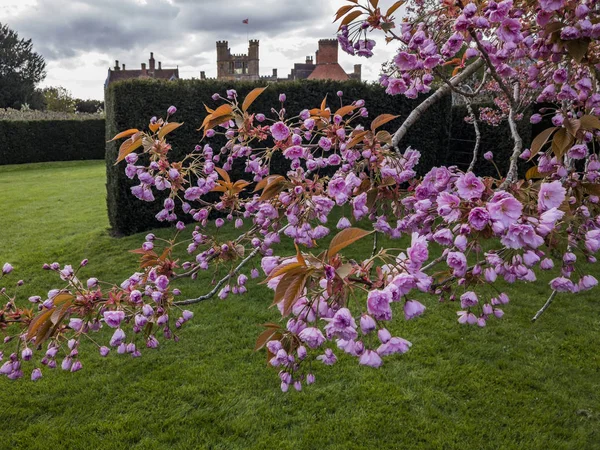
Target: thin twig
column 374, row 244
column 512, row 101
column 545, row 307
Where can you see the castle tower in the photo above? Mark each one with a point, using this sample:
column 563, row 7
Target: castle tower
column 223, row 59
column 253, row 59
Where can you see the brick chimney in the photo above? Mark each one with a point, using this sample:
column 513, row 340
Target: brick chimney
column 123, row 66
column 309, row 60
column 274, row 73
column 159, row 65
column 202, row 75
column 328, row 51
column 144, row 69
column 117, row 65
column 151, row 62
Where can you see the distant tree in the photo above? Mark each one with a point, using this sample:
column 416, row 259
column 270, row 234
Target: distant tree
column 88, row 106
column 37, row 101
column 20, row 69
column 59, row 99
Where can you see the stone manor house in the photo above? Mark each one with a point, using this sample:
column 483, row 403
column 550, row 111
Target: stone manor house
column 324, row 66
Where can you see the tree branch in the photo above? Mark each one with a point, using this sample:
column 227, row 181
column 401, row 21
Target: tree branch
column 416, row 113
column 512, row 101
column 545, row 307
column 511, row 176
column 220, row 283
column 477, row 136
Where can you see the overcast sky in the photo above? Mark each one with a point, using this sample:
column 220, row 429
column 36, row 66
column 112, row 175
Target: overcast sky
column 81, row 39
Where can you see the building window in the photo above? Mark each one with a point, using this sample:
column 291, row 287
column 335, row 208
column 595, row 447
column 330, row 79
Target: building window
column 240, row 68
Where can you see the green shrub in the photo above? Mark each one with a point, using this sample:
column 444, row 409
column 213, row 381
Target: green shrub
column 130, row 104
column 28, row 141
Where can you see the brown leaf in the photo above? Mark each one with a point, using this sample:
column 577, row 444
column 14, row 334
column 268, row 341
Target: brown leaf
column 533, row 173
column 293, row 291
column 394, row 7
column 269, row 334
column 299, row 256
column 272, row 189
column 324, row 103
column 223, row 174
column 384, row 136
column 345, row 110
column 59, row 313
column 37, row 322
column 591, row 188
column 382, row 120
column 125, row 133
column 343, row 10
column 61, row 298
column 266, row 181
column 577, row 48
column 223, row 110
column 344, row 270
column 253, row 95
column 561, row 142
column 349, row 18
column 356, row 139
column 127, row 147
column 589, row 122
column 540, row 140
column 213, row 123
column 239, row 186
column 344, row 238
column 572, row 126
column 293, row 268
column 166, row 129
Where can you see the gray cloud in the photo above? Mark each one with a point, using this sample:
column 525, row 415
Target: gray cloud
column 66, row 28
column 80, row 36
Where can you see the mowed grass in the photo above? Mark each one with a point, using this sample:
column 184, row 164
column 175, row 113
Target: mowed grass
column 513, row 384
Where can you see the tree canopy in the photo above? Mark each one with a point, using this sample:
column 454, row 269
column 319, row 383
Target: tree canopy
column 20, row 68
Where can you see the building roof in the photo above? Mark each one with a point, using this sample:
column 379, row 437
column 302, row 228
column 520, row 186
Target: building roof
column 162, row 74
column 330, row 71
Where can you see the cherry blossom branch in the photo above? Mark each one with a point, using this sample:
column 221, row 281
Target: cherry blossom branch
column 416, row 113
column 220, row 283
column 225, row 279
column 545, row 307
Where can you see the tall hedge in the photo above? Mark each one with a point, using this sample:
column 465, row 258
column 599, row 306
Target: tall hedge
column 130, row 104
column 496, row 139
column 27, row 141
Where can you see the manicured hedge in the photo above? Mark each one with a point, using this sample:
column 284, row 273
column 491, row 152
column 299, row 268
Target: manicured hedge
column 130, row 104
column 28, row 141
column 496, row 139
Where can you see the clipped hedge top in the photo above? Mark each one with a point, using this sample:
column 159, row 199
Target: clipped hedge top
column 16, row 114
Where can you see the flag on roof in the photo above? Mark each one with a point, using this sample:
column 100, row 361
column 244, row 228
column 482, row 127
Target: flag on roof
column 245, row 21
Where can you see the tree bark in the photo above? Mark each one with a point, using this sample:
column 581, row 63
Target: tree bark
column 416, row 113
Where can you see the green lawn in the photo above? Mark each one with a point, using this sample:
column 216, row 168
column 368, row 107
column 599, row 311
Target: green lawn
column 511, row 385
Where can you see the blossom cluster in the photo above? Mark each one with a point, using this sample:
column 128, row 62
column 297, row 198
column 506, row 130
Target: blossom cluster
column 458, row 233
